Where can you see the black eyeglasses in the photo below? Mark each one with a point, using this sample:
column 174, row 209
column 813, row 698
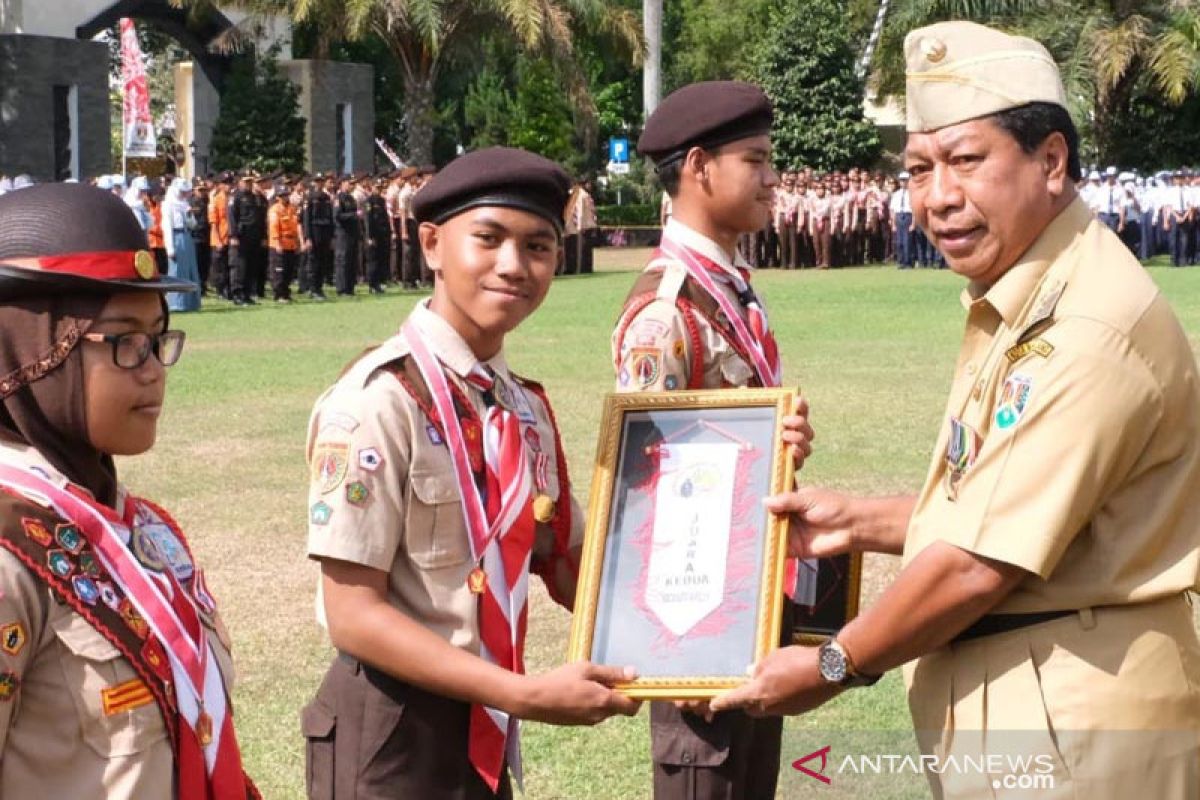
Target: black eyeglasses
column 130, row 350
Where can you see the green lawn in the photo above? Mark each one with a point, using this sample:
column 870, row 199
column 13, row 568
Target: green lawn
column 872, row 348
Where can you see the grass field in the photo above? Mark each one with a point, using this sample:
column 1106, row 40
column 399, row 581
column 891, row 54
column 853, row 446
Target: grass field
column 873, row 349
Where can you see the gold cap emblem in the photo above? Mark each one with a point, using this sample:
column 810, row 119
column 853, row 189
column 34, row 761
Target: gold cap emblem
column 144, row 266
column 933, row 49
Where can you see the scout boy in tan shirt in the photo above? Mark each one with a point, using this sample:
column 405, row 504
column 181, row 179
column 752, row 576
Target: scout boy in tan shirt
column 438, row 485
column 1047, row 560
column 693, row 321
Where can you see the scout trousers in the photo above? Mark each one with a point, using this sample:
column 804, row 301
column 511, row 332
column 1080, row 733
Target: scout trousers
column 734, row 757
column 369, row 736
column 1107, row 700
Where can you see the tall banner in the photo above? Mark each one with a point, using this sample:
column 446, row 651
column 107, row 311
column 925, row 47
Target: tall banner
column 138, row 125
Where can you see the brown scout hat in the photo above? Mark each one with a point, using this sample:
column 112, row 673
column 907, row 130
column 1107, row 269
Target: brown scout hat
column 102, row 251
column 496, row 176
column 707, row 114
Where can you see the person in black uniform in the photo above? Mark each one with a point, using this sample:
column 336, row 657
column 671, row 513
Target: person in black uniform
column 262, row 206
column 198, row 223
column 379, row 238
column 316, row 223
column 244, row 238
column 345, row 238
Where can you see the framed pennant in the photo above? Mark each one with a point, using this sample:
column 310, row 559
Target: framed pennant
column 683, row 568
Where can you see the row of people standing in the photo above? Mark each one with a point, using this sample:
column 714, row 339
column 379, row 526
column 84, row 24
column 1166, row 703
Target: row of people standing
column 1153, row 216
column 839, row 219
column 248, row 230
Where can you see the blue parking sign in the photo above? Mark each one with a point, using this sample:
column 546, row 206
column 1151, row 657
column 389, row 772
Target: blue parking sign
column 618, row 150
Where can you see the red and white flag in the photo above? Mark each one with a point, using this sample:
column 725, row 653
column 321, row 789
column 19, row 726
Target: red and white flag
column 135, row 92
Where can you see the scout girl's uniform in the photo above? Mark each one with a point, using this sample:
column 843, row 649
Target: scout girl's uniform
column 115, row 670
column 446, row 473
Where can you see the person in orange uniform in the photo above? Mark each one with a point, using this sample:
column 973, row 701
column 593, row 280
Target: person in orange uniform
column 218, row 220
column 283, row 239
column 154, row 234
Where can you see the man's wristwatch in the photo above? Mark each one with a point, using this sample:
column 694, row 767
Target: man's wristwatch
column 836, row 667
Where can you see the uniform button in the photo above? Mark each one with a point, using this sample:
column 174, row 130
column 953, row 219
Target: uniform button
column 687, row 758
column 970, row 369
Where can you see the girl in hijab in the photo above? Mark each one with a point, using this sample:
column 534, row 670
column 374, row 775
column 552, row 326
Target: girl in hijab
column 181, row 249
column 115, row 670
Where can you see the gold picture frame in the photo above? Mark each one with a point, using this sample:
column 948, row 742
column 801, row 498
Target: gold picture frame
column 687, row 641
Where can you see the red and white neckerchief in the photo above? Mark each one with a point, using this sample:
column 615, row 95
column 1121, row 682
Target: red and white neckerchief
column 752, row 333
column 501, row 538
column 208, row 761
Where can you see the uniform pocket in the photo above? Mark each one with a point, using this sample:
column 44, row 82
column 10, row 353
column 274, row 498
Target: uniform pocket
column 687, row 740
column 434, row 525
column 318, row 724
column 117, row 714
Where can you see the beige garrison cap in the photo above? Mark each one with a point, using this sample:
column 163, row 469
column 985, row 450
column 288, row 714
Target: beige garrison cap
column 958, row 71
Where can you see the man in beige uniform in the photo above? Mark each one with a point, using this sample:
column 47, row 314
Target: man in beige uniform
column 1048, row 558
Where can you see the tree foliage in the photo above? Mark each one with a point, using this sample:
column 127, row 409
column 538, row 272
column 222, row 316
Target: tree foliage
column 1114, row 54
column 817, row 95
column 253, row 131
column 424, row 37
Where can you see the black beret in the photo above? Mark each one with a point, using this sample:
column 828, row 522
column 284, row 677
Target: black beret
column 707, row 114
column 495, row 176
column 102, row 250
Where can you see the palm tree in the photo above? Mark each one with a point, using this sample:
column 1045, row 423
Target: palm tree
column 423, row 36
column 1109, row 51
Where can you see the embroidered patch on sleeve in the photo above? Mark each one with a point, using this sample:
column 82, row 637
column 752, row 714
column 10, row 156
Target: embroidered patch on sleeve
column 329, row 463
column 12, row 638
column 9, row 683
column 357, row 493
column 646, row 364
column 369, row 459
column 319, row 514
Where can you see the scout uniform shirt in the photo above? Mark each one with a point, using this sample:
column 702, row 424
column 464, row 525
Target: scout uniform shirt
column 656, row 349
column 1071, row 449
column 1071, row 446
column 76, row 721
column 384, row 492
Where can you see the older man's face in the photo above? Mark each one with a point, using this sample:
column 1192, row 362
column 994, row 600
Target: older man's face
column 981, row 199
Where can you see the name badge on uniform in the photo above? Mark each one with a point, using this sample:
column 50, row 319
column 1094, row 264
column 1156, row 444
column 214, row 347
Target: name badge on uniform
column 1014, row 399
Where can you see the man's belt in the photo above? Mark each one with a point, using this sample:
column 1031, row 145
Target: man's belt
column 991, row 624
